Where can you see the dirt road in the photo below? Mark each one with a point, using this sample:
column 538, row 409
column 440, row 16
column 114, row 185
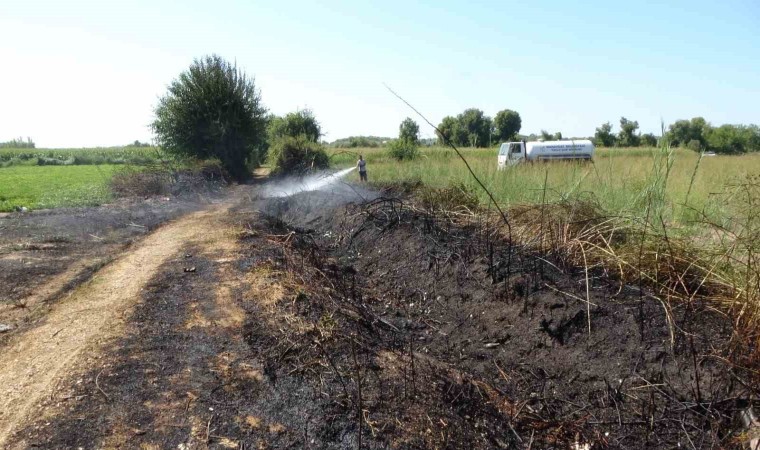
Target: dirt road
column 36, row 360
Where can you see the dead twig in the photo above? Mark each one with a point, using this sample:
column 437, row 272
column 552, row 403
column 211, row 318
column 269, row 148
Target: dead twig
column 97, row 385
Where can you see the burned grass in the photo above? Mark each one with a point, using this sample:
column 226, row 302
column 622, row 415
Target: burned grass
column 385, row 325
column 431, row 331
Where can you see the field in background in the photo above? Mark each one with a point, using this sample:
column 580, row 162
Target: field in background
column 77, row 156
column 37, row 187
column 619, row 180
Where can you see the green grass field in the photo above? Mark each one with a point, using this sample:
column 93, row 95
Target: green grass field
column 39, row 187
column 619, row 180
column 77, row 156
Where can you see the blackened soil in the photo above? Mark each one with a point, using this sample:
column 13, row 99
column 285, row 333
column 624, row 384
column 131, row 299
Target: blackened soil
column 36, row 247
column 382, row 326
column 464, row 341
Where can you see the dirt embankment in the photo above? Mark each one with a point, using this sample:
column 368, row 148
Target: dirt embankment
column 314, row 325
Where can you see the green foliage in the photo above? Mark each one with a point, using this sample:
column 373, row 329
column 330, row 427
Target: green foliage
column 403, row 150
column 299, row 123
column 695, row 145
column 409, row 131
column 734, row 139
column 697, row 134
column 648, row 140
column 604, row 136
column 682, row 132
column 449, row 131
column 296, row 155
column 506, row 124
column 213, row 110
column 545, row 135
column 79, row 156
column 471, row 128
column 18, row 143
column 477, row 127
column 360, row 141
column 627, row 136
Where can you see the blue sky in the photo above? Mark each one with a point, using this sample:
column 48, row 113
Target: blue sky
column 89, row 73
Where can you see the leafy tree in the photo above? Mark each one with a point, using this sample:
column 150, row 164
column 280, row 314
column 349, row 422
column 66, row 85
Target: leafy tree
column 682, row 132
column 648, row 140
column 604, row 136
column 475, row 127
column 213, row 110
column 299, row 123
column 545, row 135
column 450, row 131
column 409, row 131
column 627, row 136
column 507, row 124
column 557, row 136
column 734, row 139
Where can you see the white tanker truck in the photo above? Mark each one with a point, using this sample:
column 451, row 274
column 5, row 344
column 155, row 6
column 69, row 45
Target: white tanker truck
column 511, row 153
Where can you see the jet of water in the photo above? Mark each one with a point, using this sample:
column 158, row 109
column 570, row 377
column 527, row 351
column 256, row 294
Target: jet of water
column 310, row 183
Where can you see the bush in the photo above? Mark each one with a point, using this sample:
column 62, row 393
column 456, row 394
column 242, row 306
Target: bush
column 695, row 145
column 403, row 150
column 213, row 111
column 290, row 155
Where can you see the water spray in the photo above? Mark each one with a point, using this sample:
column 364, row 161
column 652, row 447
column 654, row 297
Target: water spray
column 311, row 183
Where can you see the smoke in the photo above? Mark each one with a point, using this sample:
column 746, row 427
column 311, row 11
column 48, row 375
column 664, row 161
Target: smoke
column 288, row 187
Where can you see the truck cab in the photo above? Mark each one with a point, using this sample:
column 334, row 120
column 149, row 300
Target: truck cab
column 511, row 153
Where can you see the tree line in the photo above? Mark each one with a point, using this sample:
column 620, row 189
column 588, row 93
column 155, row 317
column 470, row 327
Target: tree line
column 473, row 128
column 696, row 134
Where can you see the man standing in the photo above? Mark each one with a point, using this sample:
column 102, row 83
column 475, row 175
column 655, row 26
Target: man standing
column 362, row 165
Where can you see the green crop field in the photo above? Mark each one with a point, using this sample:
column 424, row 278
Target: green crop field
column 77, row 156
column 619, row 180
column 38, row 187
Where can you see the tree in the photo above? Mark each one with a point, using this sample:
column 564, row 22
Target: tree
column 299, row 123
column 475, row 128
column 604, row 136
column 506, row 124
column 409, row 131
column 648, row 140
column 545, row 135
column 627, row 136
column 450, row 131
column 682, row 132
column 213, row 110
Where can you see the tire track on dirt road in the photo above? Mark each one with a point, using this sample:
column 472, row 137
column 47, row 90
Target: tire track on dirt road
column 35, row 361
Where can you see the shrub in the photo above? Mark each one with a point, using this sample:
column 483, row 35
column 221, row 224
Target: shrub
column 403, row 150
column 695, row 145
column 296, row 155
column 213, row 110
